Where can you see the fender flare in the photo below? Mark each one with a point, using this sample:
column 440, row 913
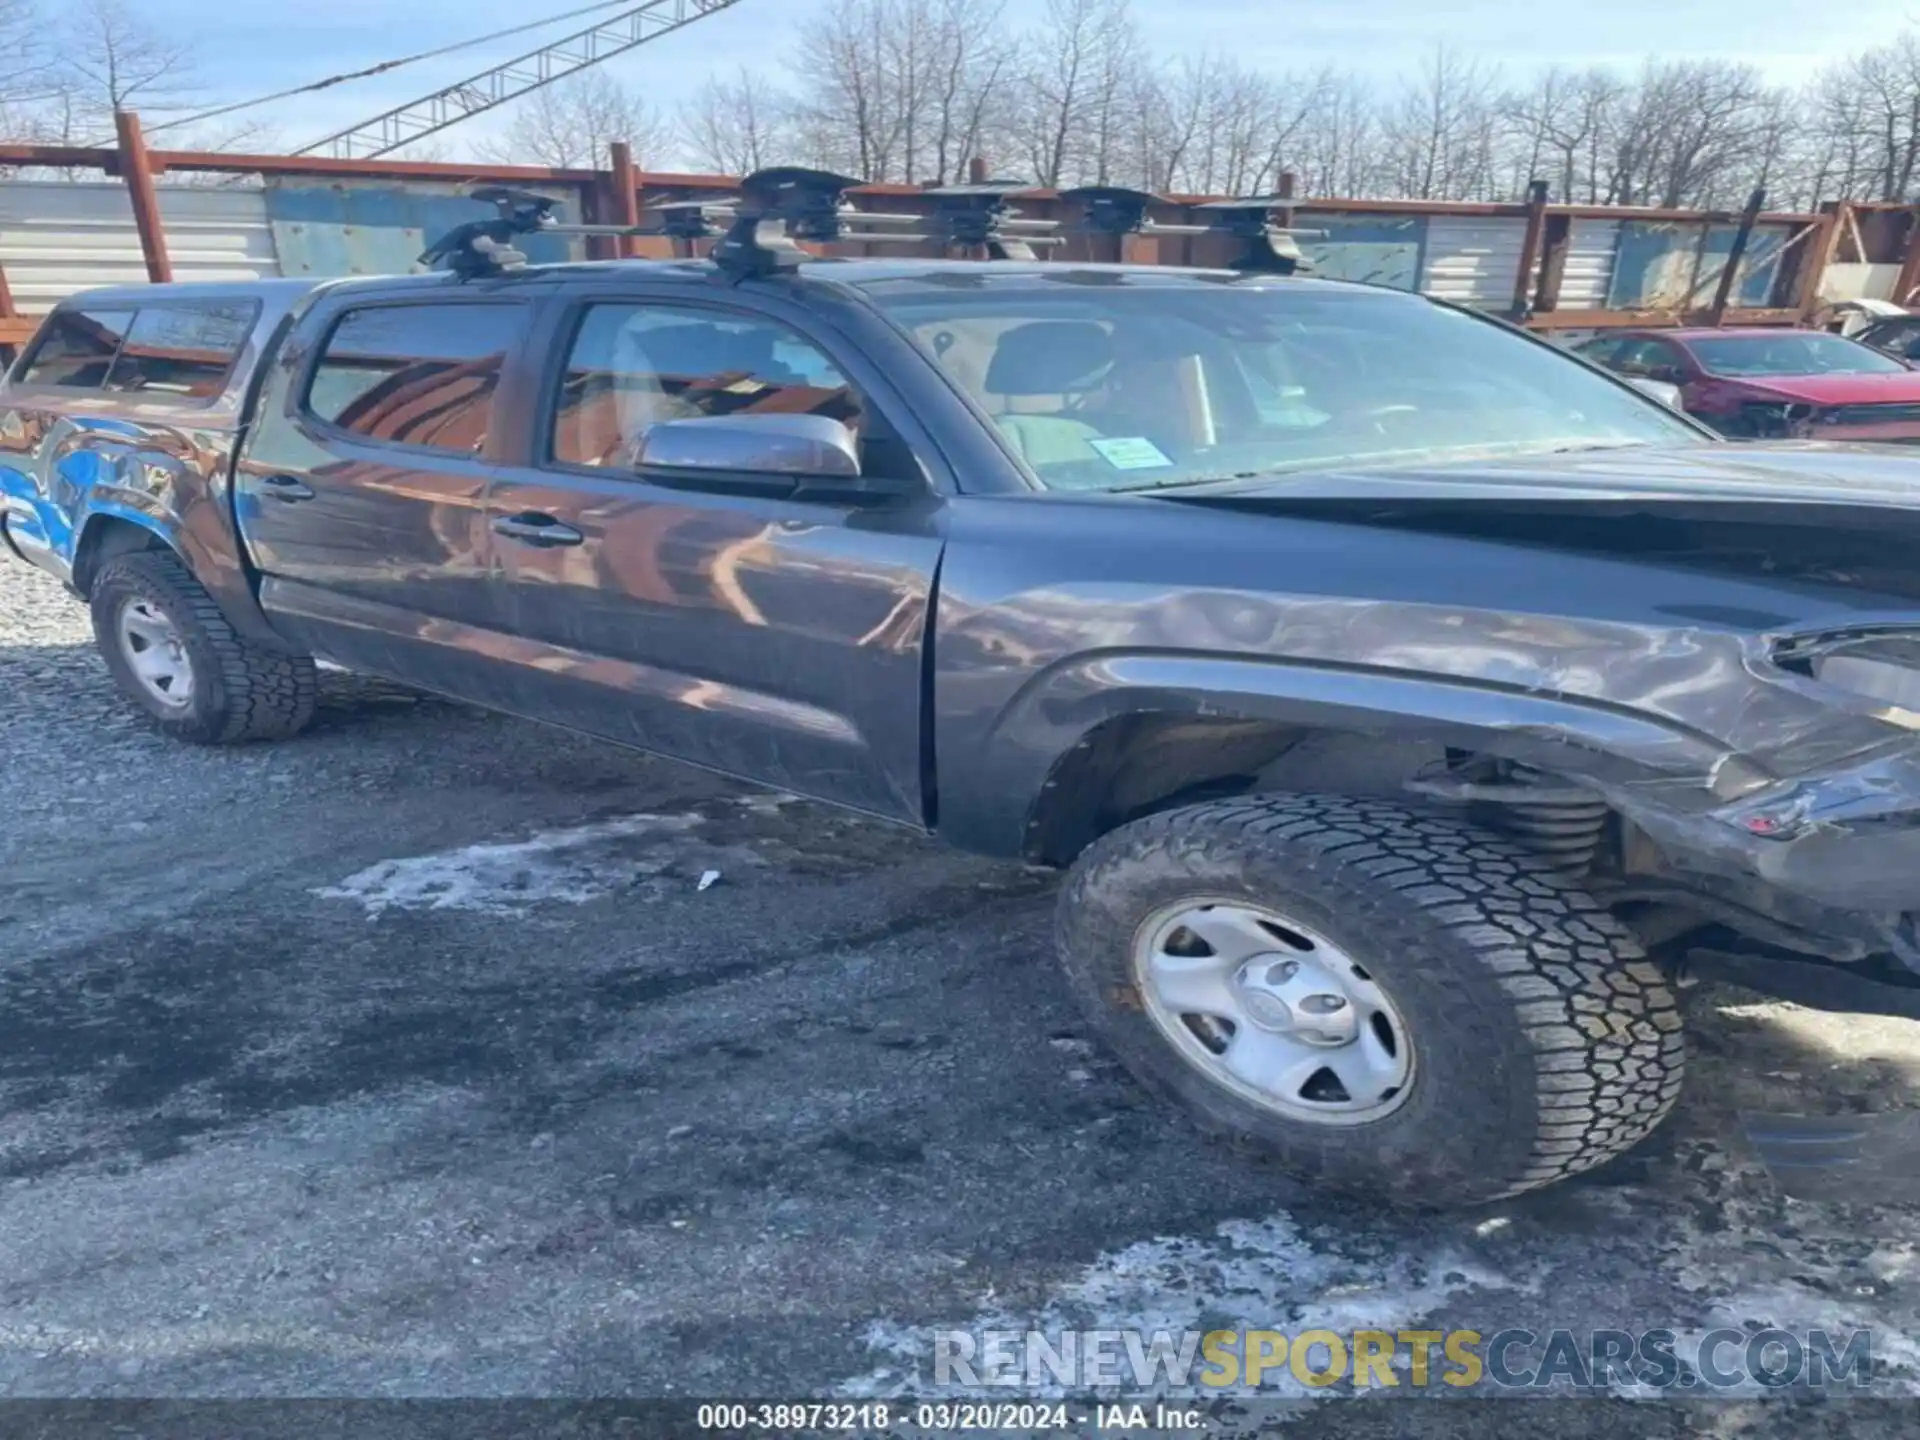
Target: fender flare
column 1634, row 759
column 197, row 528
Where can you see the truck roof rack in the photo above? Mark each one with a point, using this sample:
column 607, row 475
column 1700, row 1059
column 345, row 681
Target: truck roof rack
column 761, row 232
column 1269, row 248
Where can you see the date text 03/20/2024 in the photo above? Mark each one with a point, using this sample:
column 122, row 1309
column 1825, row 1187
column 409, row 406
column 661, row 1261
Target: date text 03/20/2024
column 956, row 1416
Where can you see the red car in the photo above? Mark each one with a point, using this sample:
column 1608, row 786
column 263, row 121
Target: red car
column 1752, row 383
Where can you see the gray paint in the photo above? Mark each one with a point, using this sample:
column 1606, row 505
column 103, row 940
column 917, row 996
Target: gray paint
column 951, row 658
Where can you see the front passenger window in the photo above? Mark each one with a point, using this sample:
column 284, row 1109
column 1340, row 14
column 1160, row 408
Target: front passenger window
column 632, row 366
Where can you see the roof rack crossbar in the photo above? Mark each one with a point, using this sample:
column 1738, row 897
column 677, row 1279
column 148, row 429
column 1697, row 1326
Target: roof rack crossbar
column 1267, row 248
column 485, row 247
column 785, row 205
column 777, row 208
column 981, row 217
column 1112, row 209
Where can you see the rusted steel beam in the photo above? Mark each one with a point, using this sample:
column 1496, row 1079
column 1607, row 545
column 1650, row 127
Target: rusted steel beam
column 1909, row 277
column 1730, row 270
column 623, row 181
column 596, row 203
column 137, row 173
column 1556, row 240
column 1530, row 242
column 73, row 157
column 321, row 165
column 1816, row 255
column 1654, row 212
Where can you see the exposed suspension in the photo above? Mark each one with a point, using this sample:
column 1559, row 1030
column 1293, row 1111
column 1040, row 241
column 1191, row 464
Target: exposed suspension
column 1563, row 822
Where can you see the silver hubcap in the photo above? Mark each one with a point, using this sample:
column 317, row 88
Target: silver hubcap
column 1274, row 1011
column 156, row 654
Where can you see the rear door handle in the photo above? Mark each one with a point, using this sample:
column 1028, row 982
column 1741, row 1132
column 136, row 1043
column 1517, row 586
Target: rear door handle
column 285, row 487
column 531, row 527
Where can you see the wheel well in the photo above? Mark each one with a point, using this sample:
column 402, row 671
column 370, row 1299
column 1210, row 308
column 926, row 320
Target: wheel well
column 102, row 540
column 1139, row 764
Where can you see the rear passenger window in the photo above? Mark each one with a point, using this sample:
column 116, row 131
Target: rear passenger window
column 415, row 374
column 183, row 350
column 634, row 365
column 77, row 348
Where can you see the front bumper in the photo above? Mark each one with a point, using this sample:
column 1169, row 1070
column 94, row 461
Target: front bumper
column 1847, row 839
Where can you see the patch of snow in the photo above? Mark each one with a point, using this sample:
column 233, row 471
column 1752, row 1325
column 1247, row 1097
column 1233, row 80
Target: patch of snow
column 1261, row 1274
column 570, row 866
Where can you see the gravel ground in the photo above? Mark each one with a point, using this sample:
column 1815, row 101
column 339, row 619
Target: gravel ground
column 410, row 1059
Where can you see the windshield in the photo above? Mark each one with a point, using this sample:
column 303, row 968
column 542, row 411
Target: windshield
column 1102, row 383
column 1790, row 353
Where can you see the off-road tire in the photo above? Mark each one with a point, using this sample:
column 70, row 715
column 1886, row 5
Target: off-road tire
column 240, row 691
column 1544, row 1041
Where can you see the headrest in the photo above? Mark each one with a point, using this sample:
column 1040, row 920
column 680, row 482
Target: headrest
column 1049, row 357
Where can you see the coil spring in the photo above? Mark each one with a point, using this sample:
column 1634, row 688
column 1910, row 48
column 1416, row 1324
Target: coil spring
column 1566, row 831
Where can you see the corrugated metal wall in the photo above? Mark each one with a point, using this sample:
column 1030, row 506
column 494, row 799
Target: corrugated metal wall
column 1375, row 249
column 56, row 238
column 1591, row 247
column 1473, row 260
column 352, row 227
column 1851, row 280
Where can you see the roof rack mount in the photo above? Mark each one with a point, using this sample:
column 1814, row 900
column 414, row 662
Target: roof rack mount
column 1268, row 248
column 781, row 207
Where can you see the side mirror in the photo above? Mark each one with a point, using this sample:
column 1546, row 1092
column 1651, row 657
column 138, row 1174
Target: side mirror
column 1664, row 391
column 777, row 447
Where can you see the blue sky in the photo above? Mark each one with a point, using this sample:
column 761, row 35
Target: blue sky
column 265, row 45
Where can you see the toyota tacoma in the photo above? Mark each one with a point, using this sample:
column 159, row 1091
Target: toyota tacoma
column 1387, row 682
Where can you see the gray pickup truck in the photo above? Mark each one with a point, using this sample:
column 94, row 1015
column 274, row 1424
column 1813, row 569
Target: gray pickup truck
column 1384, row 679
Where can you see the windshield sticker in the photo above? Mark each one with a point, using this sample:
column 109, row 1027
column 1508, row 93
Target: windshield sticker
column 1130, row 452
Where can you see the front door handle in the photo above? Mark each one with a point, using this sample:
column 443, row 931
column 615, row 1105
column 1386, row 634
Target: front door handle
column 531, row 527
column 285, row 487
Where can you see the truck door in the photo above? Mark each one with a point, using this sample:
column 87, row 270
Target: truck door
column 777, row 639
column 362, row 494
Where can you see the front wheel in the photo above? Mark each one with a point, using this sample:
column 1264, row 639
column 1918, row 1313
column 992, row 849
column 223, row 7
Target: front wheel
column 173, row 654
column 1390, row 1002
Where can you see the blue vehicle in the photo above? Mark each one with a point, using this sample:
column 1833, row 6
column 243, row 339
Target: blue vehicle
column 1386, row 682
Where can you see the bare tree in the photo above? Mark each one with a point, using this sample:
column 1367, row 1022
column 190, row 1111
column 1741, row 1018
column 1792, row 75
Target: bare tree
column 1555, row 123
column 734, row 125
column 967, row 72
column 901, row 90
column 1338, row 148
column 1075, row 78
column 23, row 67
column 568, row 125
column 110, row 58
column 1886, row 84
column 1440, row 137
column 851, row 112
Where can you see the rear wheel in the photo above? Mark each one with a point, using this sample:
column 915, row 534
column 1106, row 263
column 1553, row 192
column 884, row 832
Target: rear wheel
column 173, row 654
column 1390, row 1002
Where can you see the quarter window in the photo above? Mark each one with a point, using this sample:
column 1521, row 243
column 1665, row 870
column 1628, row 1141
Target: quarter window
column 78, row 348
column 185, row 350
column 634, row 365
column 416, row 374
